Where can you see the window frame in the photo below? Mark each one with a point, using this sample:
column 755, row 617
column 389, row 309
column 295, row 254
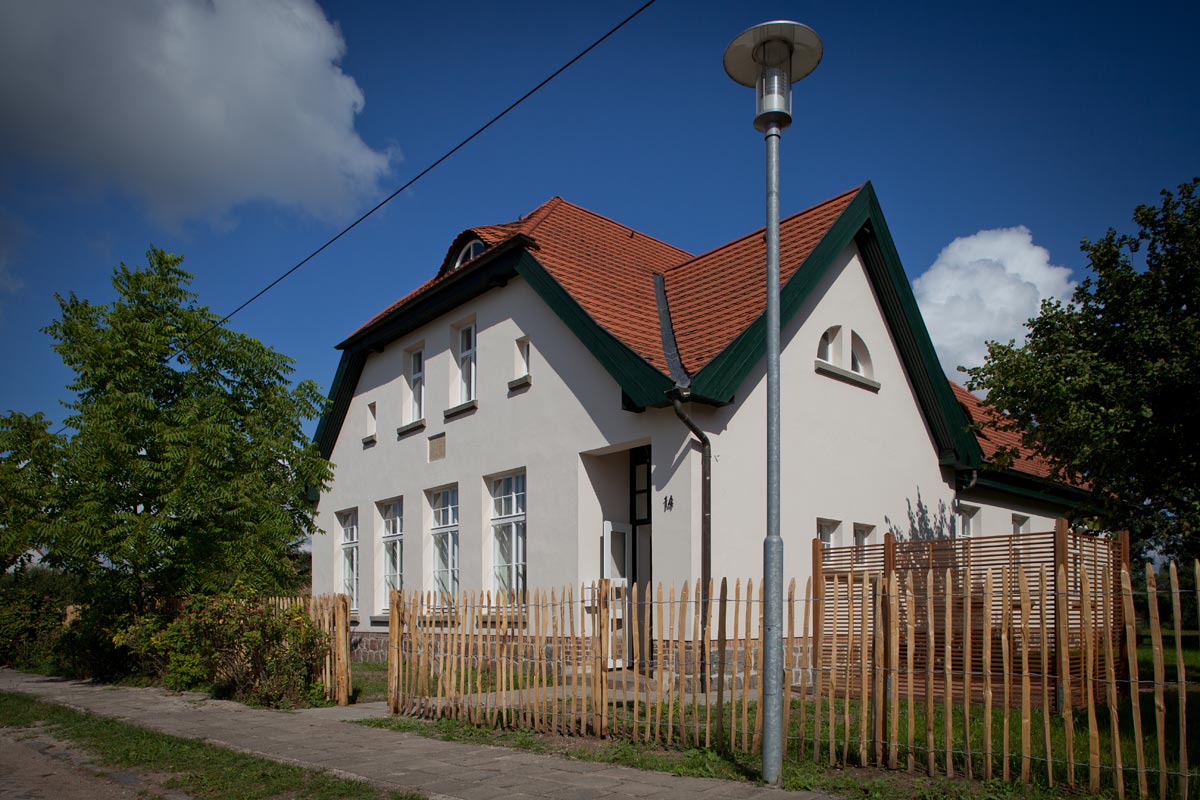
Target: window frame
column 834, row 528
column 445, row 526
column 468, row 252
column 392, row 536
column 416, row 384
column 467, row 358
column 509, row 513
column 348, row 523
column 967, row 521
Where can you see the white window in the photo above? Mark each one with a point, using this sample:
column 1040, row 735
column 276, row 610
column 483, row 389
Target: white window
column 860, row 357
column 828, row 346
column 372, row 421
column 863, row 534
column 348, row 520
column 392, row 513
column 523, row 354
column 445, row 541
column 416, row 384
column 827, row 532
column 1020, row 524
column 470, row 250
column 968, row 521
column 508, row 533
column 466, row 363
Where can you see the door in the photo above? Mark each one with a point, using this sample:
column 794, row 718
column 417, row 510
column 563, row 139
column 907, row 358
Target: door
column 616, row 566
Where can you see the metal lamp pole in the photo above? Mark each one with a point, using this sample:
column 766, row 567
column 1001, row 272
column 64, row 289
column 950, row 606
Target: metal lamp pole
column 770, row 57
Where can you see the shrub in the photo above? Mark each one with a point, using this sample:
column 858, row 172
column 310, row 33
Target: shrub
column 233, row 646
column 32, row 608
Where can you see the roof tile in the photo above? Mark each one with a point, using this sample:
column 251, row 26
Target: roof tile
column 992, row 438
column 714, row 297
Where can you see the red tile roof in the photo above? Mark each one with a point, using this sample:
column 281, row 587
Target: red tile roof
column 991, row 438
column 714, row 297
column 608, row 269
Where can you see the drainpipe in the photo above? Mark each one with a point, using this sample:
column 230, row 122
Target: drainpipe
column 677, row 398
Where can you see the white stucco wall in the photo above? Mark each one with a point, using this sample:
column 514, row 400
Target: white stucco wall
column 573, row 407
column 848, row 453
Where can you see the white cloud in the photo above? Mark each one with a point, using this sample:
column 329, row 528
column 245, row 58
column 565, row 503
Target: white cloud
column 191, row 105
column 984, row 287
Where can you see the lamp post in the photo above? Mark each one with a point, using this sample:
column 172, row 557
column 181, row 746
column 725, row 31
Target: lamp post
column 770, row 57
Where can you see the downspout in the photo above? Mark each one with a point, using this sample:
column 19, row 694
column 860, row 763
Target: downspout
column 679, row 395
column 677, row 398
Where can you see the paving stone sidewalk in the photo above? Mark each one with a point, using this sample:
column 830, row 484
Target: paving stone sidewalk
column 326, row 739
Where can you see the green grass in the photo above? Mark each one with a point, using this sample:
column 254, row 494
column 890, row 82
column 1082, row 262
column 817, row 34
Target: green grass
column 702, row 763
column 368, row 682
column 1191, row 657
column 199, row 769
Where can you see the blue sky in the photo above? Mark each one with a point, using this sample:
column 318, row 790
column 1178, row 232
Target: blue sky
column 244, row 135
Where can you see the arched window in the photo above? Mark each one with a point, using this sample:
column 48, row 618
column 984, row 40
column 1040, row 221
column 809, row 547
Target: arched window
column 860, row 357
column 830, row 344
column 470, row 250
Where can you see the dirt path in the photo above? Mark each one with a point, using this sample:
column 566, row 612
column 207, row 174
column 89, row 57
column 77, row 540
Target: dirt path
column 36, row 766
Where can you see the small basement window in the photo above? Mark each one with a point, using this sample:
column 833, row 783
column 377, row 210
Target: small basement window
column 470, row 250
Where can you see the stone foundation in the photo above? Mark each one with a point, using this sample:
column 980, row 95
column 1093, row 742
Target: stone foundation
column 368, row 647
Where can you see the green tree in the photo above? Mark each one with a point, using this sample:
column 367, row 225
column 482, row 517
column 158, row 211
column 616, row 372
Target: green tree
column 1107, row 387
column 29, row 464
column 189, row 467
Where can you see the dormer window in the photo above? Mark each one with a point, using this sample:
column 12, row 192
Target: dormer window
column 470, row 250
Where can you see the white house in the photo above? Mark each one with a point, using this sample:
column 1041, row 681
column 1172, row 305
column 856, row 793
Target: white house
column 532, row 415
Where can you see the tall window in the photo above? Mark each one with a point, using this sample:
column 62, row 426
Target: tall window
column 416, row 383
column 445, row 541
column 372, row 421
column 1020, row 524
column 466, row 363
column 348, row 520
column 393, row 548
column 508, row 533
column 863, row 534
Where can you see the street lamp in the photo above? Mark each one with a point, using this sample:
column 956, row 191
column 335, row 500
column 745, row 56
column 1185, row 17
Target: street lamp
column 770, row 57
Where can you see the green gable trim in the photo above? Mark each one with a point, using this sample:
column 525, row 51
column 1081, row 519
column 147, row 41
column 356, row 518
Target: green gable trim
column 340, row 393
column 947, row 420
column 861, row 222
column 720, row 378
column 644, row 385
column 492, row 269
column 1035, row 488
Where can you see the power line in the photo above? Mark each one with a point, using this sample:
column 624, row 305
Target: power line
column 284, row 276
column 435, row 164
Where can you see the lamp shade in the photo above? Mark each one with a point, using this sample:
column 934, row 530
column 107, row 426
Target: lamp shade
column 770, row 57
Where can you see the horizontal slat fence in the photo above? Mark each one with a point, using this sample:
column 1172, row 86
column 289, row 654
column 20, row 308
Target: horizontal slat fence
column 881, row 670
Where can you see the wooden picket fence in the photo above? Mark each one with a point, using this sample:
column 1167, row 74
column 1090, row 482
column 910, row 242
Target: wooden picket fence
column 893, row 680
column 331, row 613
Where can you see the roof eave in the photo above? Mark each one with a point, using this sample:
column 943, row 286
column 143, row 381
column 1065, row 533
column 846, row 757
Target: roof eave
column 450, row 284
column 863, row 224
